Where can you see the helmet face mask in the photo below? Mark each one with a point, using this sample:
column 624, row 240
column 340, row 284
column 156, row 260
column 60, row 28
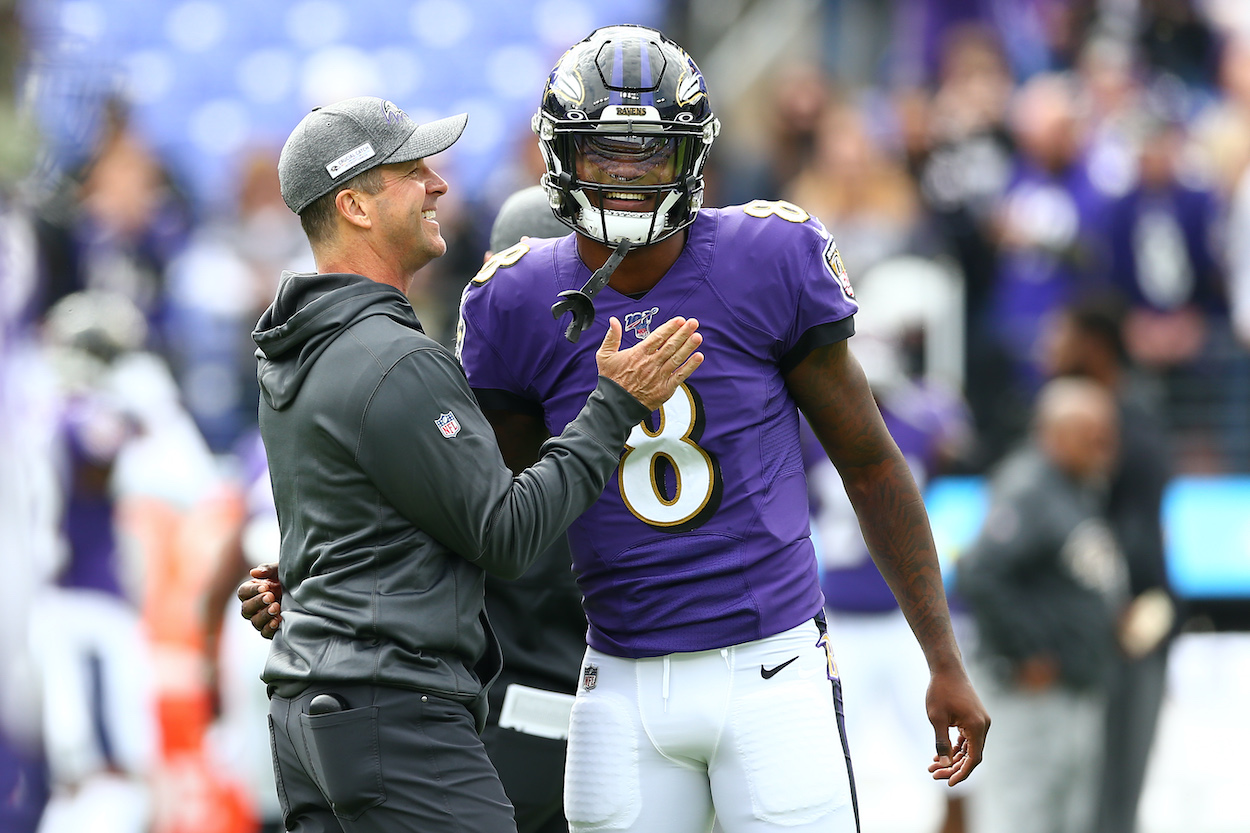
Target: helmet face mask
column 624, row 128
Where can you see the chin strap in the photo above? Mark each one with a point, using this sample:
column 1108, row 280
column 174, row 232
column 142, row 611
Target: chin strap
column 581, row 302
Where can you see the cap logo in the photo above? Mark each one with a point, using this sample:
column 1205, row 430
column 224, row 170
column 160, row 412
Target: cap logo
column 350, row 159
column 393, row 114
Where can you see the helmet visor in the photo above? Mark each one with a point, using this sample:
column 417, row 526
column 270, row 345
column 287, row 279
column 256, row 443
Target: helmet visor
column 625, row 157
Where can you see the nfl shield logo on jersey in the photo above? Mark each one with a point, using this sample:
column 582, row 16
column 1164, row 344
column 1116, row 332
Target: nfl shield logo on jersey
column 640, row 322
column 590, row 676
column 448, row 424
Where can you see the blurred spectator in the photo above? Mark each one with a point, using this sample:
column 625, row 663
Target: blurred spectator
column 1037, row 35
column 539, row 620
column 95, row 663
column 1050, row 240
column 1176, row 38
column 864, row 197
column 1222, row 128
column 1044, row 582
column 117, row 224
column 218, row 288
column 1086, row 341
column 797, row 97
column 1161, row 239
column 1110, row 97
column 961, row 152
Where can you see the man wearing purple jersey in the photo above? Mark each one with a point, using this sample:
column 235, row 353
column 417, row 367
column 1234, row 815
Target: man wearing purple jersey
column 701, row 690
column 705, row 691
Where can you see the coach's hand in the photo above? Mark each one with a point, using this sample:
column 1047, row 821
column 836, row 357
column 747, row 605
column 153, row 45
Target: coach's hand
column 653, row 369
column 261, row 598
column 952, row 703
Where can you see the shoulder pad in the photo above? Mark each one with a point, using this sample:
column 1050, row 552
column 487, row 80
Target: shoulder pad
column 499, row 260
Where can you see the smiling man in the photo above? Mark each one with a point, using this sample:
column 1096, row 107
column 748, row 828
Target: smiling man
column 392, row 496
column 708, row 686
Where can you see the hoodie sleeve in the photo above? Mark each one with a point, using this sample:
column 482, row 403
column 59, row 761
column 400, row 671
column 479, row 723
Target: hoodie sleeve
column 434, row 457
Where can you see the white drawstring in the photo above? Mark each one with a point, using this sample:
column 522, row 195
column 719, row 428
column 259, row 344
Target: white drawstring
column 665, row 692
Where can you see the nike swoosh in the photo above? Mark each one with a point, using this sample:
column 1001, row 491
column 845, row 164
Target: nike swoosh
column 767, row 673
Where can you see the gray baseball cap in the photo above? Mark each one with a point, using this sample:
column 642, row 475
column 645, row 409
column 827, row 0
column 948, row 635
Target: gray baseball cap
column 332, row 144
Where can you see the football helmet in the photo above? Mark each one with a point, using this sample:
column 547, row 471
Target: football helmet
column 625, row 118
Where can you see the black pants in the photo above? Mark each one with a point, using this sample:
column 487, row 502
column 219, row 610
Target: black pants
column 532, row 771
column 391, row 760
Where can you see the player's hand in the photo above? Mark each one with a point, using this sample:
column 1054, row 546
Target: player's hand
column 952, row 703
column 261, row 598
column 652, row 369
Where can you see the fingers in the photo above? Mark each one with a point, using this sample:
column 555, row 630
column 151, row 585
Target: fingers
column 942, row 743
column 974, row 746
column 690, row 366
column 247, row 590
column 959, row 765
column 611, row 339
column 260, row 605
column 267, row 571
column 946, row 765
column 255, row 596
column 684, row 342
column 662, row 334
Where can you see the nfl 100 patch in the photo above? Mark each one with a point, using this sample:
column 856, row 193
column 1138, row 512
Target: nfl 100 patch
column 448, row 424
column 640, row 322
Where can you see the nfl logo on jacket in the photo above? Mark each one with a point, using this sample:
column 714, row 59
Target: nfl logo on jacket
column 448, row 424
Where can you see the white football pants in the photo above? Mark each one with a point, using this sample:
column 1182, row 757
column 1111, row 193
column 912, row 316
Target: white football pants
column 748, row 736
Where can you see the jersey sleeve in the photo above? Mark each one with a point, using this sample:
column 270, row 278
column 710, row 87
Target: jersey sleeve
column 796, row 284
column 497, row 309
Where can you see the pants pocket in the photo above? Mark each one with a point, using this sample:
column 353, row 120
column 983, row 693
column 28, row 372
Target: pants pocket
column 343, row 750
column 284, row 803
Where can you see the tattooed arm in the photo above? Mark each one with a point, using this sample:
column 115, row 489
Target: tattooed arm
column 830, row 388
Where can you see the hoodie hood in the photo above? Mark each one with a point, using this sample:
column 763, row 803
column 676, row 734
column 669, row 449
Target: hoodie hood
column 309, row 312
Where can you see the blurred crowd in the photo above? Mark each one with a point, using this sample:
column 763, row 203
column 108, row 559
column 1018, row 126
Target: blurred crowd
column 984, row 165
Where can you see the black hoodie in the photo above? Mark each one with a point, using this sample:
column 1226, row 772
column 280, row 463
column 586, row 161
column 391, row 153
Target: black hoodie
column 393, row 497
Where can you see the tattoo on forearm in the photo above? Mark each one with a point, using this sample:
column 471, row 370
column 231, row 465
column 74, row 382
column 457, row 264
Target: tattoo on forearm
column 831, row 390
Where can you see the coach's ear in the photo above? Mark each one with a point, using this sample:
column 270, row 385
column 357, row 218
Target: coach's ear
column 355, row 207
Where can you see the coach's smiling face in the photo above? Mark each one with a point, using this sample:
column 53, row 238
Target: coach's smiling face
column 405, row 216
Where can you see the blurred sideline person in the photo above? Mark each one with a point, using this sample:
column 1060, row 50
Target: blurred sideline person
column 1085, row 340
column 538, row 618
column 708, row 691
column 393, row 500
column 1044, row 582
column 121, row 431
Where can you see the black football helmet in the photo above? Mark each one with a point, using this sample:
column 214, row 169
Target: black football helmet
column 625, row 117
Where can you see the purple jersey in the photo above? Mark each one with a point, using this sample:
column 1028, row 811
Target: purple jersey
column 701, row 539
